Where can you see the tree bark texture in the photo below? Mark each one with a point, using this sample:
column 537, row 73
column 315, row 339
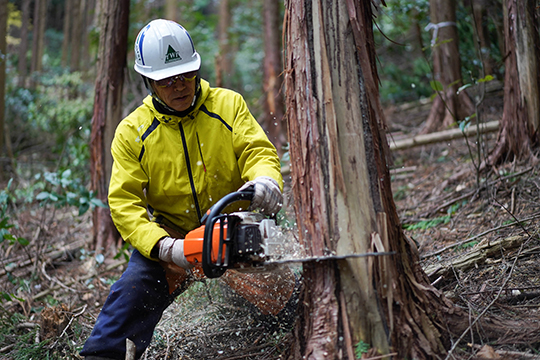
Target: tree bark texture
column 114, row 26
column 67, row 32
column 171, row 10
column 273, row 66
column 76, row 34
column 87, row 11
column 3, row 58
column 518, row 130
column 23, row 47
column 342, row 195
column 40, row 16
column 448, row 106
column 224, row 59
column 483, row 42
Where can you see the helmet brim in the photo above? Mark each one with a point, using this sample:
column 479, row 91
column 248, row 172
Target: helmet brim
column 193, row 65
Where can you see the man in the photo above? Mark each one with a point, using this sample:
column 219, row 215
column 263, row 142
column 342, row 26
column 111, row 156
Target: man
column 183, row 149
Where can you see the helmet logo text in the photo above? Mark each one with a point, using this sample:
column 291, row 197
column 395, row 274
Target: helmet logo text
column 172, row 55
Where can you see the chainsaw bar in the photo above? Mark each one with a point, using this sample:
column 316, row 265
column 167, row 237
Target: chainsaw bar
column 326, row 258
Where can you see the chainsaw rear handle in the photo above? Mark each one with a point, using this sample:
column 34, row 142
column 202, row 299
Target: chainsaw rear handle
column 214, row 270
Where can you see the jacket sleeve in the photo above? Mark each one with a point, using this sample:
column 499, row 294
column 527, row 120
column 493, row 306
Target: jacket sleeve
column 256, row 154
column 127, row 199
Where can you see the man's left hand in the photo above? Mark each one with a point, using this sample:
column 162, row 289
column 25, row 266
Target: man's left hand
column 267, row 197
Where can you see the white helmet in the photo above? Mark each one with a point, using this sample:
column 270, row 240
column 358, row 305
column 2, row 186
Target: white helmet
column 164, row 48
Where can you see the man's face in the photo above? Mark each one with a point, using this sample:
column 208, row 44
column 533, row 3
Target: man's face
column 177, row 91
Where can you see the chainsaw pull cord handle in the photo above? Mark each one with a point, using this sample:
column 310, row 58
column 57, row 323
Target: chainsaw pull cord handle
column 211, row 270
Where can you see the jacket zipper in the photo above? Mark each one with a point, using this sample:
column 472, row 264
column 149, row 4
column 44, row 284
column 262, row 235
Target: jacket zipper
column 190, row 173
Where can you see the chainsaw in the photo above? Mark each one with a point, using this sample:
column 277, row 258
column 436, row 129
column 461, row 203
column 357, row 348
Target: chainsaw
column 239, row 240
column 245, row 241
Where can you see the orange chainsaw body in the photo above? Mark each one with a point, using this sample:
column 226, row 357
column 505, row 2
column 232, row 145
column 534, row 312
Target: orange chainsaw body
column 193, row 244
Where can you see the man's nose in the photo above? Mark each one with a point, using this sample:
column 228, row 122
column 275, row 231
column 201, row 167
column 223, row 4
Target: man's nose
column 179, row 84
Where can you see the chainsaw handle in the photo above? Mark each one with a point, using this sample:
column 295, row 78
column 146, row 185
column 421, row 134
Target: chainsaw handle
column 211, row 270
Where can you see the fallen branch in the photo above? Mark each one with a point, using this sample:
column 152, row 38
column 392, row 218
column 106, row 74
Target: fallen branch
column 505, row 354
column 425, row 256
column 52, row 255
column 445, row 135
column 84, row 278
column 473, row 258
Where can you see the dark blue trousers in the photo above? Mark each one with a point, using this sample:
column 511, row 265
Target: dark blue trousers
column 132, row 310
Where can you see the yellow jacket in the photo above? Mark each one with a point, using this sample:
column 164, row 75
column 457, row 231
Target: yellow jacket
column 172, row 170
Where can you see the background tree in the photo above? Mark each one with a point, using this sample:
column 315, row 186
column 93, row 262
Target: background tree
column 23, row 49
column 114, row 25
column 224, row 58
column 3, row 59
column 67, row 32
column 274, row 108
column 449, row 105
column 518, row 130
column 38, row 37
column 172, row 10
column 76, row 33
column 479, row 15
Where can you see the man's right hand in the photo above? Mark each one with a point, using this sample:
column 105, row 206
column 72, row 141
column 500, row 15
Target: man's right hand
column 172, row 250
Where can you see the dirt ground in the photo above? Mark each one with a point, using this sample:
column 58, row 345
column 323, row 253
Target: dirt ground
column 476, row 234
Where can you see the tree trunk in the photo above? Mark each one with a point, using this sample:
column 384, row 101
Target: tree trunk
column 114, row 26
column 343, row 203
column 274, row 105
column 87, row 19
column 67, row 33
column 224, row 63
column 40, row 16
column 23, row 47
column 171, row 10
column 3, row 50
column 448, row 107
column 483, row 42
column 518, row 130
column 76, row 34
column 342, row 194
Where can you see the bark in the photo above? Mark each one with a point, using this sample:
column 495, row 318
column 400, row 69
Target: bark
column 87, row 18
column 3, row 51
column 23, row 47
column 40, row 16
column 274, row 106
column 224, row 62
column 483, row 41
column 518, row 131
column 67, row 33
column 114, row 26
column 448, row 107
column 76, row 34
column 171, row 10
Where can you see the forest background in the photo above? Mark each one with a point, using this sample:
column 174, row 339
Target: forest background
column 50, row 75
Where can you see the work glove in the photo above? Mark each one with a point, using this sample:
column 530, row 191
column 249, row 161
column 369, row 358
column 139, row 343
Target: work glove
column 172, row 250
column 267, row 197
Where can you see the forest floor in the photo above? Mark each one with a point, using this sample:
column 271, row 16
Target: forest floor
column 456, row 215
